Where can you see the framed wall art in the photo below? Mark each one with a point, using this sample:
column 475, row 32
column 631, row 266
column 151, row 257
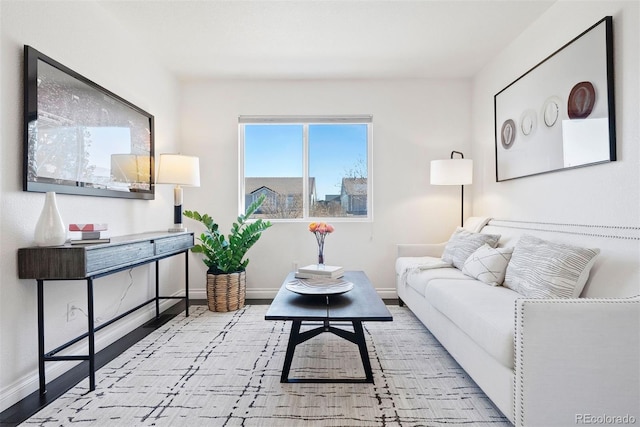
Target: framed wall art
column 560, row 114
column 80, row 138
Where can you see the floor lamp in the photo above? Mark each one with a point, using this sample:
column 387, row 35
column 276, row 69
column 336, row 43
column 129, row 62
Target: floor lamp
column 181, row 171
column 452, row 171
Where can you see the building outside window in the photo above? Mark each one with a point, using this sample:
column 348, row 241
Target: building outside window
column 307, row 167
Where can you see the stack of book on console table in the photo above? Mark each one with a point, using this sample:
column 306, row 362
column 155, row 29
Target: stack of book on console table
column 315, row 271
column 88, row 234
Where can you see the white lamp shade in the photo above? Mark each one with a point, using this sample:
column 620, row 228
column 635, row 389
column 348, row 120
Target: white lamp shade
column 179, row 169
column 452, row 172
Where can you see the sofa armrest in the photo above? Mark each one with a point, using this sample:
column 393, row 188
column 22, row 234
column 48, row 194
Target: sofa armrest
column 418, row 250
column 576, row 359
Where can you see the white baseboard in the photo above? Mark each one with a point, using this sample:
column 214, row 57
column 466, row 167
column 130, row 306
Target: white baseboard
column 262, row 293
column 197, row 293
column 30, row 382
column 387, row 293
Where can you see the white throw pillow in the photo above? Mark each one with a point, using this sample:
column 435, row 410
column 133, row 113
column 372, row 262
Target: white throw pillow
column 544, row 269
column 488, row 264
column 463, row 243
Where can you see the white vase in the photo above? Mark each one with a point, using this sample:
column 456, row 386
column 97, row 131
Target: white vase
column 50, row 229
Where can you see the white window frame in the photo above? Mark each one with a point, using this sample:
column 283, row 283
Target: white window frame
column 306, row 121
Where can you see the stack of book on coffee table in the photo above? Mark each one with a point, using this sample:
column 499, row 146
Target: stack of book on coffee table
column 319, row 271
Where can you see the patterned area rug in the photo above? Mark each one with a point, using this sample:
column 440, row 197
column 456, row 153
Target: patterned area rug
column 223, row 369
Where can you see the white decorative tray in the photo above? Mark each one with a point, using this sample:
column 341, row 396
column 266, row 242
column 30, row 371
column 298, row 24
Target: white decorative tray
column 319, row 286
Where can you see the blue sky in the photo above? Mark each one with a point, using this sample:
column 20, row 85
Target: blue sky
column 276, row 151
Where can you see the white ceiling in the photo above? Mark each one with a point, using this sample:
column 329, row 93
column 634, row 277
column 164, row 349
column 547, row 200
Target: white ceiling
column 305, row 39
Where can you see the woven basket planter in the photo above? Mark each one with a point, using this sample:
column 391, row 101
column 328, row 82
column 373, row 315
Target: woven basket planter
column 226, row 291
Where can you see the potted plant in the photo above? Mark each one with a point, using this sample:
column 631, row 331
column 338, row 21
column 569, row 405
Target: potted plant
column 225, row 256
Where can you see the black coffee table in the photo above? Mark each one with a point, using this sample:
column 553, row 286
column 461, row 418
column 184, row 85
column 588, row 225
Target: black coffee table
column 361, row 304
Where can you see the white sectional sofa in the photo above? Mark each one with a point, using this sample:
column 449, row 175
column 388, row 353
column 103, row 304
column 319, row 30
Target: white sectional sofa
column 542, row 361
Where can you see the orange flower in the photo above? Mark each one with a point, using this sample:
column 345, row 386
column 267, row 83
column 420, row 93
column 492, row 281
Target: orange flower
column 321, row 228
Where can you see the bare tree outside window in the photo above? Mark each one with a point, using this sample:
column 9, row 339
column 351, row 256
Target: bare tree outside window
column 283, row 206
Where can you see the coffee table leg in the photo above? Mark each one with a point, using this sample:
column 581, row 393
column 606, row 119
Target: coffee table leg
column 362, row 346
column 291, row 348
column 356, row 337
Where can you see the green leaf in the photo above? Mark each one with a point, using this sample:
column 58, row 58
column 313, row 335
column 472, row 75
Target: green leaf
column 226, row 253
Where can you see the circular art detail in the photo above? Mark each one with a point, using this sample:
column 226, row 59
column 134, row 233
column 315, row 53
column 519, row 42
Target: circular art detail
column 551, row 111
column 528, row 122
column 582, row 98
column 508, row 133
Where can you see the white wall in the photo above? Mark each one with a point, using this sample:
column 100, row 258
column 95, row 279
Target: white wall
column 606, row 194
column 82, row 36
column 413, row 123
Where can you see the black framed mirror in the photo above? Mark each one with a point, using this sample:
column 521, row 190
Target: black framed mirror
column 561, row 113
column 80, row 138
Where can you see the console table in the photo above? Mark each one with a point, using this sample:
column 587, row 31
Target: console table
column 92, row 261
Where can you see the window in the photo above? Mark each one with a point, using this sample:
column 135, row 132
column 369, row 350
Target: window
column 307, row 167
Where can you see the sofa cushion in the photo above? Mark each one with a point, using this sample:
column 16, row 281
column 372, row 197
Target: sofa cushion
column 488, row 264
column 486, row 314
column 463, row 243
column 544, row 269
column 420, row 280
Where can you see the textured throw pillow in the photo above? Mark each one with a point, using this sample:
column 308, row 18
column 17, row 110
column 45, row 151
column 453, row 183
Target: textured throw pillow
column 543, row 269
column 488, row 264
column 463, row 243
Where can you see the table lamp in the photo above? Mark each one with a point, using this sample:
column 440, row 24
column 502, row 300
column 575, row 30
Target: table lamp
column 453, row 172
column 182, row 171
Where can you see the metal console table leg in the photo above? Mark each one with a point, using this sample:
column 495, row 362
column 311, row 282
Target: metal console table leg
column 88, row 262
column 91, row 332
column 186, row 284
column 41, row 371
column 52, row 356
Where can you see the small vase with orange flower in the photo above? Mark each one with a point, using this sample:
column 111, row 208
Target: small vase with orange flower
column 320, row 230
